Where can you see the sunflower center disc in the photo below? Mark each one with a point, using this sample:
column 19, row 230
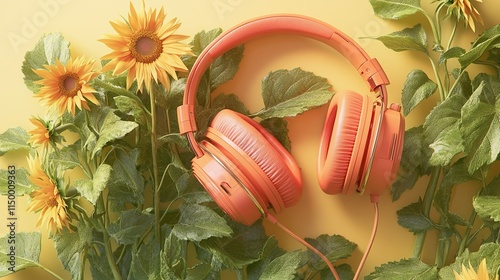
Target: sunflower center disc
column 69, row 84
column 147, row 47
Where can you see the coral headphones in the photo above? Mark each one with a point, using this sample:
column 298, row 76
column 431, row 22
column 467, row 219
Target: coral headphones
column 247, row 171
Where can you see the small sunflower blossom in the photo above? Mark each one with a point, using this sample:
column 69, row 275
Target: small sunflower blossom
column 44, row 133
column 147, row 48
column 471, row 274
column 47, row 199
column 40, row 136
column 65, row 87
column 465, row 9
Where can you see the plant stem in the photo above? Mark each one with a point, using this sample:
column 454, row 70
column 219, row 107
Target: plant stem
column 428, row 198
column 443, row 246
column 452, row 36
column 110, row 258
column 465, row 238
column 107, row 242
column 442, row 93
column 433, row 27
column 154, row 150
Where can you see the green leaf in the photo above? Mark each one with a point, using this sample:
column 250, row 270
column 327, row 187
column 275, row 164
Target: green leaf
column 441, row 129
column 488, row 207
column 91, row 189
column 451, row 53
column 173, row 261
column 200, row 41
column 395, row 9
column 414, row 161
column 109, row 127
column 480, row 122
column 99, row 266
column 446, row 146
column 412, row 218
column 186, row 185
column 229, row 101
column 146, row 261
column 486, row 41
column 283, row 267
column 225, row 67
column 242, row 248
column 133, row 108
column 344, row 271
column 417, row 88
column 67, row 157
column 334, row 247
column 175, row 138
column 493, row 60
column 279, row 129
column 413, row 39
column 199, row 271
column 70, row 247
column 22, row 182
column 464, row 84
column 220, row 71
column 270, row 251
column 199, row 222
column 25, row 248
column 48, row 48
column 14, row 139
column 209, row 269
column 455, row 175
column 126, row 183
column 406, row 269
column 131, row 225
column 488, row 251
column 174, row 97
column 289, row 93
column 493, row 188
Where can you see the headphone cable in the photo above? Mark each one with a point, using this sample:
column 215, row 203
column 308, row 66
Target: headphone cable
column 374, row 200
column 275, row 221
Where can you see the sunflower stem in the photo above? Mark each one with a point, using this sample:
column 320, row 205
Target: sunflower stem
column 428, row 198
column 107, row 243
column 154, row 149
column 472, row 218
column 463, row 244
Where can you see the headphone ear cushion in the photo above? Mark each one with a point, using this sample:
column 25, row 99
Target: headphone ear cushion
column 343, row 142
column 257, row 143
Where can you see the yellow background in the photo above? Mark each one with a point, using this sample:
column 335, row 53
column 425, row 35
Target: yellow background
column 84, row 22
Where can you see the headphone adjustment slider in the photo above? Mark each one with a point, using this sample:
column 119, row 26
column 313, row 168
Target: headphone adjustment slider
column 373, row 74
column 185, row 115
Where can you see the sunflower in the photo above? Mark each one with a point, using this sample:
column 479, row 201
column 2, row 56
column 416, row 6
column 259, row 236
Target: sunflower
column 146, row 47
column 470, row 274
column 47, row 199
column 468, row 11
column 41, row 134
column 65, row 87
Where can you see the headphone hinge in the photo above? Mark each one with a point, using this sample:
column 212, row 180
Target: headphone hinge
column 373, row 74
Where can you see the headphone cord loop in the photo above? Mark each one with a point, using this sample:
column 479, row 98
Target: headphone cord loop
column 275, row 221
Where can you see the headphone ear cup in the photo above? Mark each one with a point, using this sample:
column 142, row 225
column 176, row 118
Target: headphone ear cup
column 388, row 151
column 260, row 157
column 343, row 142
column 223, row 180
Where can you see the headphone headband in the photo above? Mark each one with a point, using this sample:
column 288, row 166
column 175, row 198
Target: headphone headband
column 368, row 68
